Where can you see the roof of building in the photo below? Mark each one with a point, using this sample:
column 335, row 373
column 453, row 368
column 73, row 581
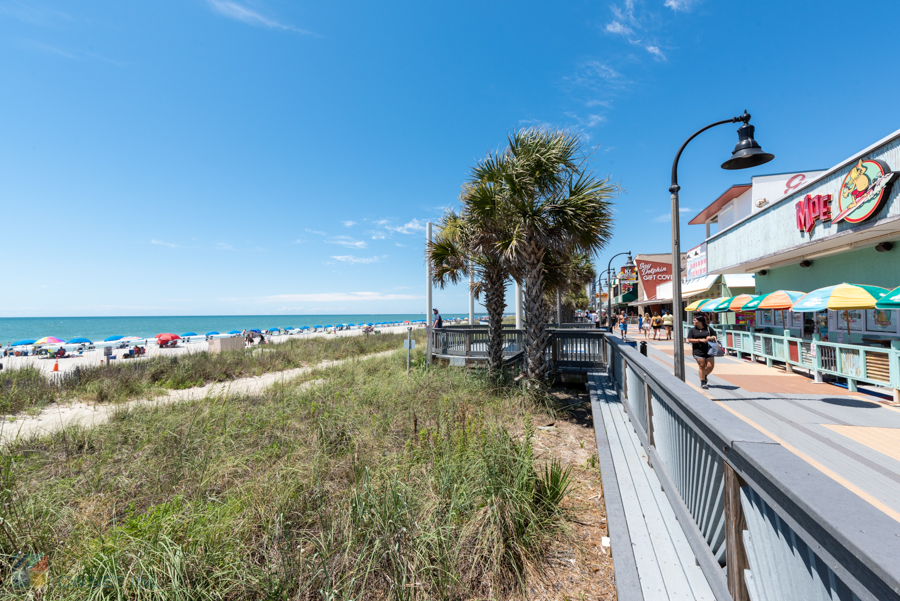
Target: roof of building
column 716, row 206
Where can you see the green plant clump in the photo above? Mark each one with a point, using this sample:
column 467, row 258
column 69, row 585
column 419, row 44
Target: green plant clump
column 365, row 485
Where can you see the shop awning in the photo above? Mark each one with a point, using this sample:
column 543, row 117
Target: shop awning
column 698, row 285
column 624, row 299
column 651, row 301
column 740, row 280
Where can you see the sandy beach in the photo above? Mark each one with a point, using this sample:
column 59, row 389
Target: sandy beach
column 96, row 357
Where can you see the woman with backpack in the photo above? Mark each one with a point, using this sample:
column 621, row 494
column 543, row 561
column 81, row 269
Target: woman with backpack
column 700, row 336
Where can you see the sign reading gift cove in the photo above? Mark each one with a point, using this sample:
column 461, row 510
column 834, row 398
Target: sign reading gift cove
column 862, row 193
column 653, row 274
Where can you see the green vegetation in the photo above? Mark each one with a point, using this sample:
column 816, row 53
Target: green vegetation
column 365, row 485
column 28, row 389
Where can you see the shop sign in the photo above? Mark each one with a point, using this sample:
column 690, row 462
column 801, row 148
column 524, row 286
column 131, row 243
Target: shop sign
column 628, row 275
column 862, row 193
column 696, row 262
column 652, row 275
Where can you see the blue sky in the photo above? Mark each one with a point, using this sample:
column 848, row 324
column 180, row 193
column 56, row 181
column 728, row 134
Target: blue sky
column 266, row 156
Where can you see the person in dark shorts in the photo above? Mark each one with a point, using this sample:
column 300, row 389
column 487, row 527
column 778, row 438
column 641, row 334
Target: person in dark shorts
column 699, row 337
column 657, row 325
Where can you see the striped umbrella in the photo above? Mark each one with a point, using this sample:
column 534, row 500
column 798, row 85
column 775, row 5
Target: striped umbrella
column 891, row 300
column 50, row 340
column 698, row 305
column 780, row 299
column 841, row 297
column 733, row 303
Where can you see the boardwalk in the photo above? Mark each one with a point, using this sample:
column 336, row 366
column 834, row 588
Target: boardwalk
column 853, row 438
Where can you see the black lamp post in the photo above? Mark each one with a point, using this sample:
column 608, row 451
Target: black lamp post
column 629, row 263
column 747, row 153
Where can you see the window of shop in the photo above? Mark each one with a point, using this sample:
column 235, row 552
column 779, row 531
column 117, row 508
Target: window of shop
column 873, row 321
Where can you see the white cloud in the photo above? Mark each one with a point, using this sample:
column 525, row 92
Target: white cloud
column 223, row 246
column 667, row 217
column 161, row 243
column 654, row 50
column 629, row 25
column 315, row 232
column 352, row 259
column 681, row 5
column 241, row 13
column 349, row 223
column 346, row 241
column 338, row 297
column 616, row 27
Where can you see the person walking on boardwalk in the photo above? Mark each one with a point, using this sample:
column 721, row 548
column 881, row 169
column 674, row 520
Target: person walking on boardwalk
column 657, row 325
column 623, row 326
column 699, row 336
column 667, row 321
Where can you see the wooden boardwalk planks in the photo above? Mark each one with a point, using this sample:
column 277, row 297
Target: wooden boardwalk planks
column 665, row 563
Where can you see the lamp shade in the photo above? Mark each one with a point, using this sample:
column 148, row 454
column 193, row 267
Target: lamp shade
column 747, row 152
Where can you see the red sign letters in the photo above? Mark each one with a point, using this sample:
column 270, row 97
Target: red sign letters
column 812, row 209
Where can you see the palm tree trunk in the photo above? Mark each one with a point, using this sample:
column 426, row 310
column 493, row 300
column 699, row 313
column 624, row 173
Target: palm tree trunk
column 536, row 334
column 495, row 303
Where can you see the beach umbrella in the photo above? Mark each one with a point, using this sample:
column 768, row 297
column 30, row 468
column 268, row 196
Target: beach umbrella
column 213, row 333
column 113, row 338
column 50, row 340
column 891, row 300
column 234, row 331
column 256, row 330
column 80, row 341
column 270, row 330
column 781, row 300
column 841, row 297
column 732, row 303
column 24, row 342
column 186, row 334
column 167, row 337
column 704, row 304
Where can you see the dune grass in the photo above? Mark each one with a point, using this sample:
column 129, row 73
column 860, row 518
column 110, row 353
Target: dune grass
column 367, row 485
column 28, row 388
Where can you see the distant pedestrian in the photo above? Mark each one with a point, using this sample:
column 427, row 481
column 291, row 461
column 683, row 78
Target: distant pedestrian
column 645, row 325
column 667, row 323
column 657, row 325
column 623, row 326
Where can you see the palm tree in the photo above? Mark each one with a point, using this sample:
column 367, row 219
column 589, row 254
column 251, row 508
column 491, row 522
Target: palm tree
column 470, row 243
column 556, row 206
column 567, row 276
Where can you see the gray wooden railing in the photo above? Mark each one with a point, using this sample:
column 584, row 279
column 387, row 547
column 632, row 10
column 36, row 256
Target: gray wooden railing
column 763, row 523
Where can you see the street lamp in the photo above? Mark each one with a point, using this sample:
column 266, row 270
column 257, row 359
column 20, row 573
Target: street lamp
column 629, row 263
column 747, row 153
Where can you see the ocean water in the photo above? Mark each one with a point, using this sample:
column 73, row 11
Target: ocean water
column 96, row 329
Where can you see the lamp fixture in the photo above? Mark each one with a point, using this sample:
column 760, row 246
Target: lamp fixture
column 762, row 272
column 805, row 263
column 884, row 247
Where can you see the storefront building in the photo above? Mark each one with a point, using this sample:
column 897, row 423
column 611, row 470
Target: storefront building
column 809, row 230
column 653, row 272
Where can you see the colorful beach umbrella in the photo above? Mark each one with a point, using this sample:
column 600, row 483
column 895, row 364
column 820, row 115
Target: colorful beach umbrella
column 113, row 338
column 704, row 304
column 841, row 297
column 167, row 337
column 780, row 299
column 733, row 303
column 891, row 300
column 50, row 340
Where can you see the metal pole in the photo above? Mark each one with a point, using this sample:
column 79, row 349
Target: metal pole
column 518, row 292
column 428, row 297
column 408, row 348
column 677, row 305
column 609, row 291
column 558, row 308
column 471, row 294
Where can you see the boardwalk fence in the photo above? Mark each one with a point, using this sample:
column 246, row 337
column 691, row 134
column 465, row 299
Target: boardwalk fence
column 762, row 522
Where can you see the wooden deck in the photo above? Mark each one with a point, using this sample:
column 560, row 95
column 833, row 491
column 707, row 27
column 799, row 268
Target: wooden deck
column 653, row 559
column 851, row 437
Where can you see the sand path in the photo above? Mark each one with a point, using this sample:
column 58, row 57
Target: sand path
column 59, row 416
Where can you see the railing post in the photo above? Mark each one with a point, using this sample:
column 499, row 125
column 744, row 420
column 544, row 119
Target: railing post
column 894, row 368
column 735, row 524
column 787, row 352
column 468, row 335
column 648, row 403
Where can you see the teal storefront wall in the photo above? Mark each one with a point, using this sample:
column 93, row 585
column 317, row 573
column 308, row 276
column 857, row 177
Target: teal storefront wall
column 866, row 266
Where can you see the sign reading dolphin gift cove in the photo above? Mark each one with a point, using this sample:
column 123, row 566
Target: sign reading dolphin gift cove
column 653, row 274
column 862, row 193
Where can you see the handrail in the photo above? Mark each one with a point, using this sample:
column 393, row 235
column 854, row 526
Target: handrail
column 748, row 503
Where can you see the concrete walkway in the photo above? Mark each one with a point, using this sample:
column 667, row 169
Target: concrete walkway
column 853, row 438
